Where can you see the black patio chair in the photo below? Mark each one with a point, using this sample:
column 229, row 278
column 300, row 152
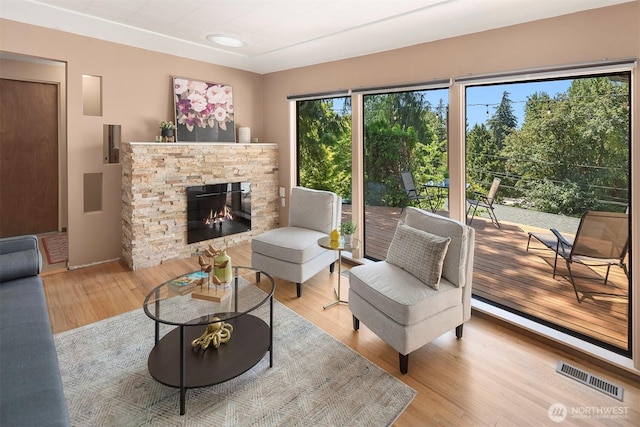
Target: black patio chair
column 485, row 201
column 410, row 190
column 602, row 240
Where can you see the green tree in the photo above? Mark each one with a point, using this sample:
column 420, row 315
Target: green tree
column 388, row 151
column 482, row 157
column 503, row 121
column 574, row 147
column 324, row 146
column 402, row 132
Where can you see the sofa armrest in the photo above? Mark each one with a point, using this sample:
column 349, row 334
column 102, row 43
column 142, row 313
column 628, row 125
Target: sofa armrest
column 19, row 257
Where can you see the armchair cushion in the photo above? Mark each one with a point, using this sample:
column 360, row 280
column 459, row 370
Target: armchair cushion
column 291, row 244
column 419, row 253
column 400, row 295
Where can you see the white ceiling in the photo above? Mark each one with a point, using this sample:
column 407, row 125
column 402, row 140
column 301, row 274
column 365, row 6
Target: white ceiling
column 282, row 34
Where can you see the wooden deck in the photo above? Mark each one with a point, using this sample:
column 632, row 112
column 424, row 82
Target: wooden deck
column 504, row 272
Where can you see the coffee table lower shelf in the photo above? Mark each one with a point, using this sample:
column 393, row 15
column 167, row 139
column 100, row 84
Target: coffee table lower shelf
column 250, row 341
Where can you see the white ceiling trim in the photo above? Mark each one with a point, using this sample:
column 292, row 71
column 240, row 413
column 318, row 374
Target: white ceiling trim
column 282, row 34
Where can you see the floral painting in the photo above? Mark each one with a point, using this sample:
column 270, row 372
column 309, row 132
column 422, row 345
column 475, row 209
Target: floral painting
column 204, row 111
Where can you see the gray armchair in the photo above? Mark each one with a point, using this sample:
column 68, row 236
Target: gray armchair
column 422, row 289
column 292, row 253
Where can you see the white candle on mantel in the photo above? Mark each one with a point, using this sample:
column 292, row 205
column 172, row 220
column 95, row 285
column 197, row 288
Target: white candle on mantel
column 244, row 135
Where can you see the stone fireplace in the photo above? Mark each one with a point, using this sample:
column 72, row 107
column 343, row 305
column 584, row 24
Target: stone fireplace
column 155, row 177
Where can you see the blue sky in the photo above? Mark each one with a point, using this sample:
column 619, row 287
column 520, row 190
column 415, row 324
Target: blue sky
column 481, row 99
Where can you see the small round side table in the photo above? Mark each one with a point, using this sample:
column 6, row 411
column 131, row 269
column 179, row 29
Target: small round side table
column 338, row 245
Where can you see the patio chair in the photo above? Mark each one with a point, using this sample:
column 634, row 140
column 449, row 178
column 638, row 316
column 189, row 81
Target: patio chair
column 485, row 201
column 602, row 240
column 410, row 191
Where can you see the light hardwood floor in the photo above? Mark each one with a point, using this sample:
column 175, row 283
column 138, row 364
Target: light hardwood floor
column 492, row 376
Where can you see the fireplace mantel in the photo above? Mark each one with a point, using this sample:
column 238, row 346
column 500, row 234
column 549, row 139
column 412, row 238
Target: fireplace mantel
column 154, row 201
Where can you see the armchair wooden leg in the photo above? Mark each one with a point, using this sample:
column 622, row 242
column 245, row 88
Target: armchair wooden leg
column 404, row 363
column 459, row 331
column 356, row 323
column 258, row 277
column 299, row 289
column 332, row 267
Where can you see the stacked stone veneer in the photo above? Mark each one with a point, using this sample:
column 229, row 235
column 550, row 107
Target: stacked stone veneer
column 154, row 196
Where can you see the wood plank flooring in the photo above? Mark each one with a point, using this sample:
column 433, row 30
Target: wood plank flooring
column 492, row 376
column 504, row 272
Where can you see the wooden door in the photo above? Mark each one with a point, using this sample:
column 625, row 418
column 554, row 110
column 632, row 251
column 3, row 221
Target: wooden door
column 28, row 157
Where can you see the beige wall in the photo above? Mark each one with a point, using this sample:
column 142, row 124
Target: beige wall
column 137, row 95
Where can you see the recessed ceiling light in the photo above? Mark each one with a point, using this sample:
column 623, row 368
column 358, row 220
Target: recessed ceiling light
column 225, row 40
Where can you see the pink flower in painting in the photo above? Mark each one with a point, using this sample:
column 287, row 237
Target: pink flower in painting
column 179, row 86
column 198, row 102
column 220, row 114
column 215, row 95
column 197, row 87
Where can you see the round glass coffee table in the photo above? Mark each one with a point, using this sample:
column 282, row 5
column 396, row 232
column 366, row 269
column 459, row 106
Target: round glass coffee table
column 247, row 307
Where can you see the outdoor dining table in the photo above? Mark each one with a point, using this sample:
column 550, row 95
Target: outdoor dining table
column 437, row 192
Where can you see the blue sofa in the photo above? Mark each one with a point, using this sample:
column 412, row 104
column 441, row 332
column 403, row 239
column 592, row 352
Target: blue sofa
column 31, row 391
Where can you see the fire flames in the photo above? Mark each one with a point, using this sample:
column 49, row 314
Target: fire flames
column 218, row 217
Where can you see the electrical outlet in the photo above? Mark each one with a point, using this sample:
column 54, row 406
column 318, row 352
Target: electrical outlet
column 282, row 202
column 282, row 192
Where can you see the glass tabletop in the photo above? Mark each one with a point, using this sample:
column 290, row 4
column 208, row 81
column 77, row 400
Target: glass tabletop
column 190, row 299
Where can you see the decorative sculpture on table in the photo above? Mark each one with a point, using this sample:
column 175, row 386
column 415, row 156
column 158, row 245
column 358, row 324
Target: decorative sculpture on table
column 216, row 333
column 219, row 273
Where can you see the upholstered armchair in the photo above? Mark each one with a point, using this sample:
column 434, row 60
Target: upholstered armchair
column 292, row 252
column 422, row 289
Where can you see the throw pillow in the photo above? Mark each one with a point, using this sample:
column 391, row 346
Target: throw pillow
column 419, row 253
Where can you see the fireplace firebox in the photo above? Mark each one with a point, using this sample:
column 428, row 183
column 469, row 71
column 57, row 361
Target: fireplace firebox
column 218, row 210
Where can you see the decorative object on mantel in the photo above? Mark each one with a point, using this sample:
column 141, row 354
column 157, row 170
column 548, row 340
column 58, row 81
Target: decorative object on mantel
column 167, row 130
column 204, row 111
column 348, row 229
column 219, row 273
column 216, row 333
column 244, row 135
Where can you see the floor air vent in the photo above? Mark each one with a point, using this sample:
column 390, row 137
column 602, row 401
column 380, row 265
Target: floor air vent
column 592, row 381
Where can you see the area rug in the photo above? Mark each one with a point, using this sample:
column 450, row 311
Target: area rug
column 315, row 380
column 56, row 248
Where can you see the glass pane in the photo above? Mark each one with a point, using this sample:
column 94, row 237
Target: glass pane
column 560, row 148
column 403, row 132
column 324, row 147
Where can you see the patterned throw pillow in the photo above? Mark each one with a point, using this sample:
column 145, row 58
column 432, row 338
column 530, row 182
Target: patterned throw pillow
column 419, row 253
